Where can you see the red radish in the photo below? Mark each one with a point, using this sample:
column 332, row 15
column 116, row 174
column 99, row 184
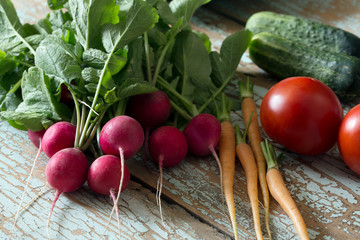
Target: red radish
column 104, row 177
column 168, row 147
column 151, row 110
column 66, row 96
column 57, row 137
column 203, row 134
column 121, row 132
column 121, row 136
column 105, row 173
column 66, row 171
column 35, row 137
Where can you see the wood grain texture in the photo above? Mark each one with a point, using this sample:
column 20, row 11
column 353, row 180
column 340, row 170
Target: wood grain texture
column 327, row 193
column 325, row 190
column 30, row 11
column 343, row 14
column 81, row 214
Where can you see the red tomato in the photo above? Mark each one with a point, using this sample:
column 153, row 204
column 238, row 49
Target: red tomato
column 349, row 139
column 302, row 114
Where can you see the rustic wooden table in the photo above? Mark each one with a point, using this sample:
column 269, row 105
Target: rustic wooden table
column 325, row 190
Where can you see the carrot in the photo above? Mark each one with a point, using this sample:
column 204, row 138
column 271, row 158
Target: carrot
column 248, row 107
column 247, row 159
column 227, row 161
column 279, row 191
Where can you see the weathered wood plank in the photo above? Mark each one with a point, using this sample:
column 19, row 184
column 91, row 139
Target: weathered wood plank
column 31, row 11
column 326, row 192
column 310, row 199
column 343, row 14
column 81, row 214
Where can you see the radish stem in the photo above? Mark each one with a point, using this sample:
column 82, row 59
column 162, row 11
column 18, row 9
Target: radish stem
column 147, row 56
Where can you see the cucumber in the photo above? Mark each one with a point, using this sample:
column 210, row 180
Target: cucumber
column 306, row 31
column 285, row 58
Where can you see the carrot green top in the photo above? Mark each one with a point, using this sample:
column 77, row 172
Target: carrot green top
column 246, row 89
column 241, row 138
column 223, row 114
column 269, row 154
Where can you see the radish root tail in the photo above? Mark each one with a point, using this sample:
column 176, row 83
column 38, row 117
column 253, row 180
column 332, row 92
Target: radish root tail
column 119, row 190
column 57, row 195
column 213, row 152
column 34, row 198
column 112, row 194
column 159, row 187
column 29, row 203
column 27, row 184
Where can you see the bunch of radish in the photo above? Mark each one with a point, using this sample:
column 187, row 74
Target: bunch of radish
column 68, row 167
column 107, row 87
column 120, row 138
column 168, row 146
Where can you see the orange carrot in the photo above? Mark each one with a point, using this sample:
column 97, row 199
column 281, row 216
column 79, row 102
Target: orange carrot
column 227, row 161
column 247, row 159
column 248, row 107
column 279, row 191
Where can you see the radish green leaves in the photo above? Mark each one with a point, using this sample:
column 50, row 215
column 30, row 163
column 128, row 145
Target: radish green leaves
column 104, row 51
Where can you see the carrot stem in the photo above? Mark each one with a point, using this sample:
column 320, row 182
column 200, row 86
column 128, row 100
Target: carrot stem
column 270, row 155
column 248, row 107
column 279, row 191
column 227, row 161
column 247, row 159
column 227, row 158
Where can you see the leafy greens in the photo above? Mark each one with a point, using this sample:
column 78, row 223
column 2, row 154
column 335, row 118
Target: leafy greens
column 103, row 52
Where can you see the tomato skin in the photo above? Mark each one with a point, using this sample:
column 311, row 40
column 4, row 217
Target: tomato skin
column 349, row 139
column 302, row 114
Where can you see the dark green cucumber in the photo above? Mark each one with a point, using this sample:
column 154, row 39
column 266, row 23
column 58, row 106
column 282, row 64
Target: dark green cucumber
column 306, row 31
column 285, row 58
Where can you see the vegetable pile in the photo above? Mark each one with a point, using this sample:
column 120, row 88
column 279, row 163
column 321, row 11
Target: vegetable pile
column 108, row 77
column 308, row 119
column 317, row 65
column 288, row 46
column 302, row 114
column 95, row 81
